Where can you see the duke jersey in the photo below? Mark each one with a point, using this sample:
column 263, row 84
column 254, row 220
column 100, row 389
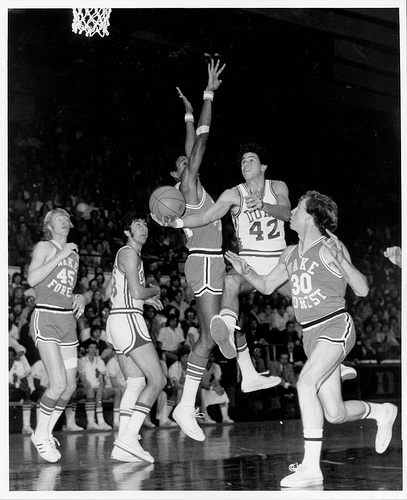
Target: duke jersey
column 207, row 237
column 56, row 289
column 121, row 296
column 258, row 234
column 317, row 288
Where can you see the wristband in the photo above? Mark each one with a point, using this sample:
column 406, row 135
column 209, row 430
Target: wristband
column 178, row 223
column 202, row 129
column 208, row 94
column 189, row 117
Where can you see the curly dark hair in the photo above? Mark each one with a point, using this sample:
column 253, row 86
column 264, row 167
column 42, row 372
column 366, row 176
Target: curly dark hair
column 129, row 218
column 253, row 147
column 323, row 210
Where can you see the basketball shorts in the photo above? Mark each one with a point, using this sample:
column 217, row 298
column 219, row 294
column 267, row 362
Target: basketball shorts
column 205, row 273
column 54, row 325
column 126, row 330
column 262, row 265
column 338, row 330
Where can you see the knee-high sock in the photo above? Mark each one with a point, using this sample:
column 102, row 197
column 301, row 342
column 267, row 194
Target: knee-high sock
column 312, row 448
column 59, row 408
column 133, row 390
column 47, row 406
column 195, row 369
column 244, row 360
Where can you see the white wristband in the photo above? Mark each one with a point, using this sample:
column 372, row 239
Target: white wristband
column 208, row 94
column 189, row 117
column 202, row 129
column 179, row 223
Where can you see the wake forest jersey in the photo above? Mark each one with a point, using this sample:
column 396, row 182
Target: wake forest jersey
column 207, row 237
column 317, row 288
column 56, row 289
column 121, row 296
column 258, row 234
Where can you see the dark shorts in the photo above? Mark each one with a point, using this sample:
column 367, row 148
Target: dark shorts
column 205, row 273
column 55, row 326
column 339, row 330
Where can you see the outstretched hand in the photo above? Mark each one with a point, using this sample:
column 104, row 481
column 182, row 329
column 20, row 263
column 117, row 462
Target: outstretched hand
column 394, row 255
column 213, row 75
column 187, row 104
column 335, row 246
column 239, row 264
column 156, row 219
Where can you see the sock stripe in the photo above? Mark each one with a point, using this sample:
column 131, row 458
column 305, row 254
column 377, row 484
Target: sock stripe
column 242, row 348
column 126, row 412
column 312, row 439
column 142, row 408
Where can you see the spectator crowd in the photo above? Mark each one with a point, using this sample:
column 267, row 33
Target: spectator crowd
column 69, row 175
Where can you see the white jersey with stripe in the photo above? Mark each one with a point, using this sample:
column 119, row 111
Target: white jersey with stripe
column 258, row 234
column 121, row 296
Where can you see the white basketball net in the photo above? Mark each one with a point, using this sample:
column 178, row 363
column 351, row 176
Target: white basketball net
column 91, row 21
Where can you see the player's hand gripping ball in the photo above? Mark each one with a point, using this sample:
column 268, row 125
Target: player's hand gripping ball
column 166, row 201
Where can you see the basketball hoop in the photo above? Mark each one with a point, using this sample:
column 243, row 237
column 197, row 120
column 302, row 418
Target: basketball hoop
column 91, row 21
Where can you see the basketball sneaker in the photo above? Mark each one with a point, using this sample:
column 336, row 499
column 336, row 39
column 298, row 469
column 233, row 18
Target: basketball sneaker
column 54, row 442
column 45, row 449
column 222, row 335
column 123, row 456
column 347, row 373
column 186, row 416
column 385, row 427
column 302, row 477
column 259, row 382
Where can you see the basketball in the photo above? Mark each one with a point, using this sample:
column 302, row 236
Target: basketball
column 166, row 200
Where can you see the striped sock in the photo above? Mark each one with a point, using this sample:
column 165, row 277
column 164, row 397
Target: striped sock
column 47, row 406
column 195, row 369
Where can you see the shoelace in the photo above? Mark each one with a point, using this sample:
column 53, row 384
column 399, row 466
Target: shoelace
column 198, row 414
column 54, row 441
column 294, row 467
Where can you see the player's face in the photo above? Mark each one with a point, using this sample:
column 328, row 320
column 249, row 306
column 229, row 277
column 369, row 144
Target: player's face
column 60, row 224
column 298, row 215
column 251, row 166
column 139, row 231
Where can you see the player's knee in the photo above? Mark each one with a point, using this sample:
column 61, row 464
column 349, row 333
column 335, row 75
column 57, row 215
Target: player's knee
column 306, row 385
column 335, row 415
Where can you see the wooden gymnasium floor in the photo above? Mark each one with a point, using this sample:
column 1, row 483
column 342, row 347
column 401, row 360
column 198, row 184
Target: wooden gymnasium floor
column 245, row 456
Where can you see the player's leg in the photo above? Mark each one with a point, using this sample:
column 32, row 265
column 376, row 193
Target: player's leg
column 50, row 353
column 185, row 414
column 229, row 313
column 146, row 358
column 135, row 383
column 322, row 368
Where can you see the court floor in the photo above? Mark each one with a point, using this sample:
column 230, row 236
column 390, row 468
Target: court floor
column 242, row 457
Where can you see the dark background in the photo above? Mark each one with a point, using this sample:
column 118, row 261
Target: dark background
column 318, row 87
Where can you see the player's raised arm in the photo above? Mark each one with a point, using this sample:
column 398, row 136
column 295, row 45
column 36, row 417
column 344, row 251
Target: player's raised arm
column 189, row 124
column 340, row 255
column 202, row 131
column 265, row 284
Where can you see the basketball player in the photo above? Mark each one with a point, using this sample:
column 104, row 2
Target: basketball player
column 259, row 208
column 53, row 273
column 127, row 331
column 319, row 268
column 205, row 268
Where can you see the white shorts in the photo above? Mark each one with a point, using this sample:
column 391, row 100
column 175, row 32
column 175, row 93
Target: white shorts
column 126, row 330
column 262, row 265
